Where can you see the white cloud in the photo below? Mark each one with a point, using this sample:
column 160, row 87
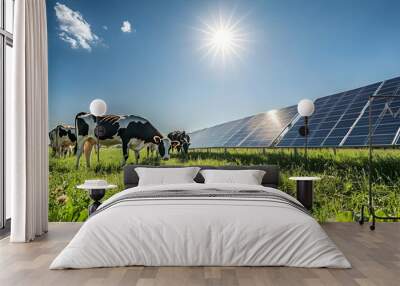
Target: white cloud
column 74, row 29
column 73, row 43
column 126, row 27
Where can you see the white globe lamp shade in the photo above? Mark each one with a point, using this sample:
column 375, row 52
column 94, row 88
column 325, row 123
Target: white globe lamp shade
column 98, row 107
column 305, row 107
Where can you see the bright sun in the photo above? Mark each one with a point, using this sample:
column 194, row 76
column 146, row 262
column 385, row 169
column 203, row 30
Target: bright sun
column 222, row 39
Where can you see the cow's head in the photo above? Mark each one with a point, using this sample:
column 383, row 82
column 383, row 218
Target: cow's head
column 163, row 146
column 175, row 144
column 185, row 142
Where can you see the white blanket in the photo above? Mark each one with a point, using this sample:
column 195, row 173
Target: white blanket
column 200, row 231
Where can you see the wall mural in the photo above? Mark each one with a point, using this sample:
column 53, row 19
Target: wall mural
column 218, row 83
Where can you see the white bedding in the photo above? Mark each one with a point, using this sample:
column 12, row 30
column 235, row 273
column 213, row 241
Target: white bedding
column 200, row 231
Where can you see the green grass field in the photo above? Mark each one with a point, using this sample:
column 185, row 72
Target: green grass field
column 338, row 196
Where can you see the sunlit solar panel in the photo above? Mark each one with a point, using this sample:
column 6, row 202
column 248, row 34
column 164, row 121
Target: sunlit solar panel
column 339, row 120
column 270, row 127
column 255, row 131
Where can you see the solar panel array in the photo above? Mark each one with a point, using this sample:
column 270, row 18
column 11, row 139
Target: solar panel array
column 333, row 117
column 339, row 120
column 255, row 131
column 385, row 125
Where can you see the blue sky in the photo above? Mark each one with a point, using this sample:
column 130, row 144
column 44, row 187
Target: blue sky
column 144, row 57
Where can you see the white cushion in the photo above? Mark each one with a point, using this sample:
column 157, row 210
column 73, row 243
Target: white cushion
column 248, row 177
column 166, row 176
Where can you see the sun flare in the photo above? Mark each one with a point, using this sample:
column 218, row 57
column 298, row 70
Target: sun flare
column 222, row 38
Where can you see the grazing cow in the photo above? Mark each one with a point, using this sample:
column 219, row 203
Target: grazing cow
column 62, row 140
column 132, row 132
column 182, row 138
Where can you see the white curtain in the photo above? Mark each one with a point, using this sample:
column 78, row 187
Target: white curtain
column 27, row 125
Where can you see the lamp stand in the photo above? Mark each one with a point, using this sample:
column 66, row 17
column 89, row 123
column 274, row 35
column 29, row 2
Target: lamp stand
column 98, row 149
column 306, row 140
column 370, row 205
column 98, row 139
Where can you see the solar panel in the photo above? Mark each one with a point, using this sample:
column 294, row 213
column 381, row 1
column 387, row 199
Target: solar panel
column 196, row 138
column 215, row 136
column 384, row 121
column 339, row 120
column 230, row 131
column 357, row 102
column 319, row 124
column 244, row 130
column 255, row 131
column 270, row 127
column 334, row 115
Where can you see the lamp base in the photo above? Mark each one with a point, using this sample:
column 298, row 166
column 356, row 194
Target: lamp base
column 373, row 216
column 96, row 195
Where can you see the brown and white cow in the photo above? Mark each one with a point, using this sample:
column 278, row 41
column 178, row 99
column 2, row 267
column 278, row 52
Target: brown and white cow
column 131, row 131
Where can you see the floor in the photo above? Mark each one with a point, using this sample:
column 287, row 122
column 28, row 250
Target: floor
column 375, row 257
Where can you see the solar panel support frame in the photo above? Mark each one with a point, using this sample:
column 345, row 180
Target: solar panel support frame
column 396, row 137
column 360, row 115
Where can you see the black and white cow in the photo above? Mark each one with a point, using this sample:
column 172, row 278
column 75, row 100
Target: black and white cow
column 182, row 138
column 132, row 132
column 62, row 140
